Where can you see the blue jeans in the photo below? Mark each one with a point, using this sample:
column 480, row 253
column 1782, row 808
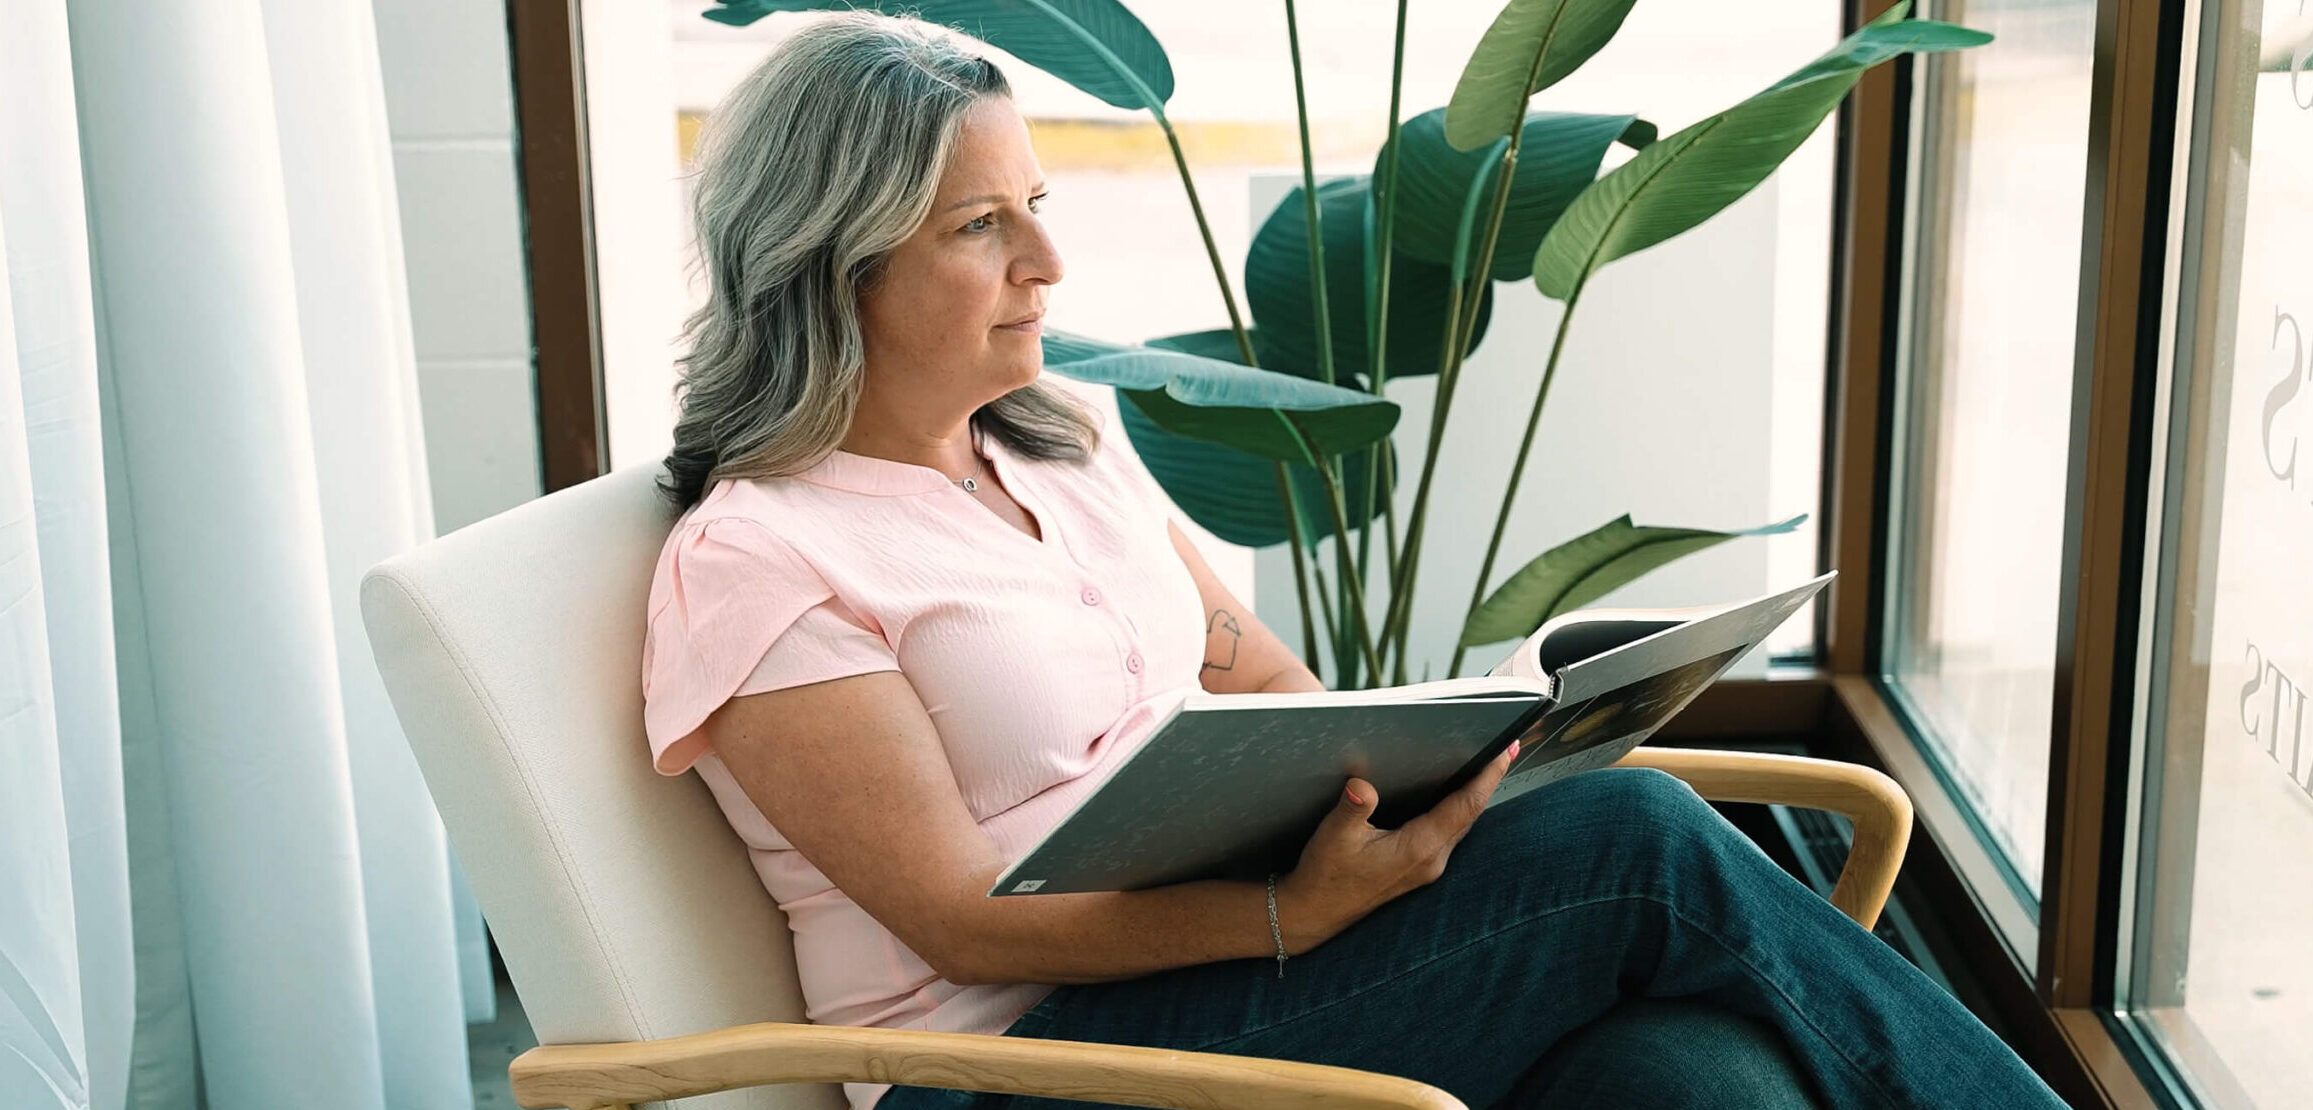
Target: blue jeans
column 1571, row 903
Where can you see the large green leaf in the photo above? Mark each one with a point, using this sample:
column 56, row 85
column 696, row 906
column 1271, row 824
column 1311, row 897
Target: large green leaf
column 1063, row 347
column 1277, row 290
column 1226, row 491
column 1557, row 158
column 1232, row 494
column 1096, row 45
column 1531, row 46
column 1220, row 343
column 1586, row 568
column 1678, row 182
column 1261, row 412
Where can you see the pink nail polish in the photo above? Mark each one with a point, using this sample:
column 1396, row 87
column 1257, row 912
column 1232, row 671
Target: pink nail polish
column 1513, row 749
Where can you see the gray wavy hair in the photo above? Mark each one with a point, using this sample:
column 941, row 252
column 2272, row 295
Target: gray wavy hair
column 811, row 173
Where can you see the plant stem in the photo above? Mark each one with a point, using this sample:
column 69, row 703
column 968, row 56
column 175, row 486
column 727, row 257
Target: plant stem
column 1345, row 576
column 1212, row 252
column 1458, row 347
column 1486, row 245
column 1358, row 627
column 1462, row 327
column 1401, row 584
column 1300, row 572
column 1377, row 314
column 1386, row 462
column 1332, row 633
column 1356, row 592
column 1245, row 350
column 1449, row 370
column 1517, row 471
column 1309, row 204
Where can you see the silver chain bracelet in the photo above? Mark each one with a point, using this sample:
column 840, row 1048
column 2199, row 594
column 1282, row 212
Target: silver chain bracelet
column 1276, row 933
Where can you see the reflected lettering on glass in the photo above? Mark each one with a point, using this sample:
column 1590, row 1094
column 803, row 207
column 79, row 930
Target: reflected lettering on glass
column 2297, row 58
column 2269, row 689
column 2281, row 395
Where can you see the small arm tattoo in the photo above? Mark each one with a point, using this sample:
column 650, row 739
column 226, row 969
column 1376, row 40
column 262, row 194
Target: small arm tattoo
column 1222, row 622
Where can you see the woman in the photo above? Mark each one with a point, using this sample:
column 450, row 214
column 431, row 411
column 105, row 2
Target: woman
column 918, row 602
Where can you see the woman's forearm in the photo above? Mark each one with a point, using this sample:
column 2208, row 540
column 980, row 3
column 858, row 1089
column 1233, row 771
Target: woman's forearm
column 1094, row 938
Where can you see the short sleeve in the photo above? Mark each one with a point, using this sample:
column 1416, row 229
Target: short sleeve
column 725, row 592
column 829, row 641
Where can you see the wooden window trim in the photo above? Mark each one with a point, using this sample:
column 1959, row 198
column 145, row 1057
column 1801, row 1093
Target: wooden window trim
column 558, row 236
column 2132, row 134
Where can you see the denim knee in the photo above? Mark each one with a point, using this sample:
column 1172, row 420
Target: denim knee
column 1657, row 796
column 1637, row 796
column 1634, row 822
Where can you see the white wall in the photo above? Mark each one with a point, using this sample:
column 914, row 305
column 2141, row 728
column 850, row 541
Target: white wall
column 450, row 107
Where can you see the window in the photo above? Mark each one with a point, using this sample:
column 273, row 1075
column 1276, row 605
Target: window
column 2216, row 963
column 2000, row 150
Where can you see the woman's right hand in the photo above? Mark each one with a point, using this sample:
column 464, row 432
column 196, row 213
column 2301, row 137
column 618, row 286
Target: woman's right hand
column 1349, row 868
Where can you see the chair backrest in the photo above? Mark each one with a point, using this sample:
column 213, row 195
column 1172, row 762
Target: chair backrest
column 623, row 903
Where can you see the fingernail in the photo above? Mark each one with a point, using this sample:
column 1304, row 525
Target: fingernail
column 1350, row 794
column 1513, row 749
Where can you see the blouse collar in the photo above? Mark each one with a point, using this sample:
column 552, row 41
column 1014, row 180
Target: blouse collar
column 886, row 477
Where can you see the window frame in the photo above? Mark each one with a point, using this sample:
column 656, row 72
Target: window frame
column 2164, row 771
column 2053, row 983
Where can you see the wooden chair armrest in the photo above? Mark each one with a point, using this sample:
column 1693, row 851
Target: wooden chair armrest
column 1879, row 808
column 612, row 1076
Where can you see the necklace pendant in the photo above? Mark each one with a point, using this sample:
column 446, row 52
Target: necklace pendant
column 971, row 485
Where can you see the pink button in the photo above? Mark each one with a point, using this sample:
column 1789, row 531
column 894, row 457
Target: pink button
column 1091, row 596
column 1132, row 662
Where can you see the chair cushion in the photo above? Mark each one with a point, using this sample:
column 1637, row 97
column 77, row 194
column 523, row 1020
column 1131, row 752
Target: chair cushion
column 622, row 901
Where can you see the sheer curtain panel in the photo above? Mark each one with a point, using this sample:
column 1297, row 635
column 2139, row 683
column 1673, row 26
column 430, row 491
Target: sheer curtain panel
column 222, row 882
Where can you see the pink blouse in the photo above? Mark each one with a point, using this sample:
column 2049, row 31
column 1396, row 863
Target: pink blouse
column 1041, row 662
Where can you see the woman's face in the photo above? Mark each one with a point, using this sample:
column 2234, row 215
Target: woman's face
column 943, row 325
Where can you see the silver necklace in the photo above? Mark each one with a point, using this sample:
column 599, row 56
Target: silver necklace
column 971, row 483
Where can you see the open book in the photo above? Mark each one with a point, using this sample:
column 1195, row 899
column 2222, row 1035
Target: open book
column 1232, row 785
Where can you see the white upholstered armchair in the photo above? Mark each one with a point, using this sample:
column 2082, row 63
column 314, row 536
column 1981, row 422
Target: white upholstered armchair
column 645, row 951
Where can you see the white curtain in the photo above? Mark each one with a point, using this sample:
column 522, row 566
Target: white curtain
column 222, row 882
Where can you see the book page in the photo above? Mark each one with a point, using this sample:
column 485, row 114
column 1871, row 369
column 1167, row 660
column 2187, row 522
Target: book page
column 1597, row 731
column 1481, row 686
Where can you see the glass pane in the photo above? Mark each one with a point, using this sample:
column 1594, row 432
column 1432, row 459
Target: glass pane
column 2219, row 974
column 1999, row 162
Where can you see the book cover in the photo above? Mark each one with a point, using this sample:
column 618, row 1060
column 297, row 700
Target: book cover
column 1232, row 785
